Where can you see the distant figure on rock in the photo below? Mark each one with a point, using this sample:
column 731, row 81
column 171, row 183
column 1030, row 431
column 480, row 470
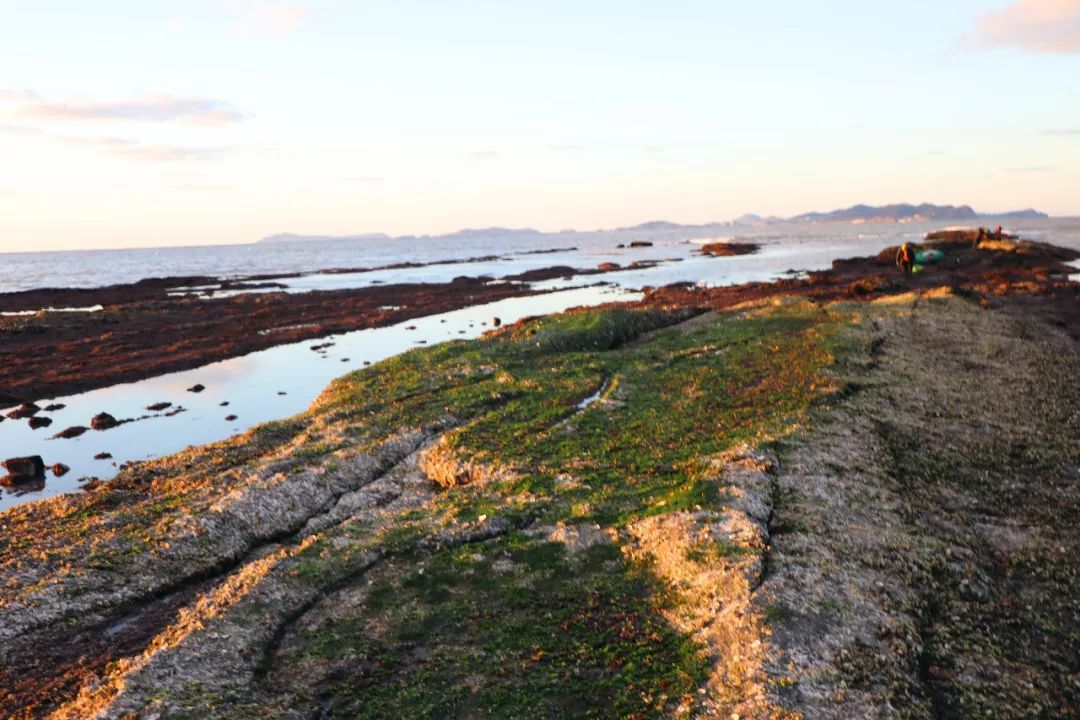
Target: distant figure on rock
column 905, row 259
column 997, row 233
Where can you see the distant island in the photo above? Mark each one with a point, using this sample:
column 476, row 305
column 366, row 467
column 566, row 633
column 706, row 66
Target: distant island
column 856, row 214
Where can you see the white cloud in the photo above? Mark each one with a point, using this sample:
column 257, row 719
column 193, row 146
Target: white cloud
column 150, row 108
column 1041, row 26
column 260, row 18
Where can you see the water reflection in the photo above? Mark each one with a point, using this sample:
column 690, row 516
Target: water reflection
column 265, row 385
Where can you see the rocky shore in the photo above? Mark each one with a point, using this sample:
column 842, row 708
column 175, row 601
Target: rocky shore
column 143, row 330
column 846, row 495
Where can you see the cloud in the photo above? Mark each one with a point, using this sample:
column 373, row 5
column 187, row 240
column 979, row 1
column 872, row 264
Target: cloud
column 1040, row 26
column 1029, row 169
column 267, row 19
column 123, row 147
column 150, row 108
column 1060, row 132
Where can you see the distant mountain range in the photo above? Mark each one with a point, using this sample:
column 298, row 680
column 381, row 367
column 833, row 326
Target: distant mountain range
column 898, row 213
column 909, row 213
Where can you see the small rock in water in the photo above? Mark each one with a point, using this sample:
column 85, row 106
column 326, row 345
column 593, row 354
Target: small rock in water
column 103, row 421
column 103, row 456
column 175, row 411
column 223, row 404
column 159, row 406
column 39, row 421
column 72, row 432
column 344, row 359
column 367, row 362
column 496, row 321
column 410, row 327
column 23, row 469
column 24, row 411
column 608, row 266
column 54, row 407
column 640, row 244
column 230, row 418
column 282, row 392
column 60, row 469
column 196, row 388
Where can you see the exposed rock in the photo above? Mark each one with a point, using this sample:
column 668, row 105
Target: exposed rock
column 443, row 466
column 24, row 411
column 72, row 432
column 54, row 407
column 103, row 456
column 40, row 421
column 608, row 266
column 230, row 418
column 640, row 244
column 156, row 407
column 224, row 403
column 103, row 421
column 728, row 249
column 23, row 469
column 197, row 388
column 60, row 469
column 496, row 322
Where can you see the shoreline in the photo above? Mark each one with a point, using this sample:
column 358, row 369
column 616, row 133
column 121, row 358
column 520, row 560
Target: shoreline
column 591, row 470
column 144, row 329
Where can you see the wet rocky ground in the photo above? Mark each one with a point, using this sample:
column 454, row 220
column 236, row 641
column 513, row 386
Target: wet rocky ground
column 55, row 354
column 844, row 496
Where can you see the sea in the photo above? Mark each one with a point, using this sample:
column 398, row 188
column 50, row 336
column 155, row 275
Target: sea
column 281, row 381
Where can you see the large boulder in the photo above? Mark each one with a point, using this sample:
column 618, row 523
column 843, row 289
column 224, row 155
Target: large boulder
column 103, row 421
column 23, row 469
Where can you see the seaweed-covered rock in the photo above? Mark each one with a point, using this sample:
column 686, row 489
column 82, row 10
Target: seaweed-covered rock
column 72, row 432
column 22, row 469
column 103, row 421
column 24, row 411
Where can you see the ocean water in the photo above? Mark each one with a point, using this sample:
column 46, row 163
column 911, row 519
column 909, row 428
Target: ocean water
column 802, row 246
column 282, row 381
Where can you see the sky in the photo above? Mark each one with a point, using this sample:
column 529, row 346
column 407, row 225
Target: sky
column 136, row 123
